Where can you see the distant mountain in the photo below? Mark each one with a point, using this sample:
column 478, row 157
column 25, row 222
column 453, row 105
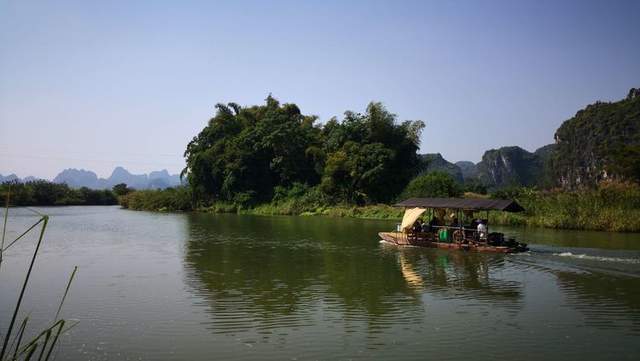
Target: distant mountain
column 512, row 166
column 121, row 175
column 436, row 163
column 469, row 169
column 77, row 178
column 9, row 178
column 15, row 178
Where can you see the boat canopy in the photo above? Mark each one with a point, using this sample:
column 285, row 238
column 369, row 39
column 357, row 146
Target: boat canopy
column 410, row 216
column 460, row 203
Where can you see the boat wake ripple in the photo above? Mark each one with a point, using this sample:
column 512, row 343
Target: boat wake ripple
column 598, row 258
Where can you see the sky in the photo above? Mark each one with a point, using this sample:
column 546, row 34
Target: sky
column 97, row 84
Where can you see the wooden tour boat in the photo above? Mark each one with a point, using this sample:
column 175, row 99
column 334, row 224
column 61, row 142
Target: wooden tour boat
column 473, row 236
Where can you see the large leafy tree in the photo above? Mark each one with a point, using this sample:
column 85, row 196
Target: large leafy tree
column 370, row 158
column 243, row 153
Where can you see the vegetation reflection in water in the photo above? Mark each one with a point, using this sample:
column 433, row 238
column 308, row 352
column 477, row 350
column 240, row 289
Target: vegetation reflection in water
column 278, row 274
column 255, row 276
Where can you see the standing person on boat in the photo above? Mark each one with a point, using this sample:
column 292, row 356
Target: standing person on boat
column 482, row 230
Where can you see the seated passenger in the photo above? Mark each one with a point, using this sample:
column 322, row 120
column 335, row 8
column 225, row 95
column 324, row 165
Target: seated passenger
column 417, row 226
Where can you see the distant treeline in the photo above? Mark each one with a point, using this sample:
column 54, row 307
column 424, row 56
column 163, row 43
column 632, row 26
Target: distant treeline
column 45, row 193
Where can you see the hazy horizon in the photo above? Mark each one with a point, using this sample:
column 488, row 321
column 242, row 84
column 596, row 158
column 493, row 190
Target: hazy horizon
column 98, row 85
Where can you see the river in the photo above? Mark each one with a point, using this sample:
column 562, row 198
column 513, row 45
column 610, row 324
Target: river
column 162, row 286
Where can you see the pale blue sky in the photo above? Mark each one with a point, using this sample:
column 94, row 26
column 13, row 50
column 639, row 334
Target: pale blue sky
column 95, row 84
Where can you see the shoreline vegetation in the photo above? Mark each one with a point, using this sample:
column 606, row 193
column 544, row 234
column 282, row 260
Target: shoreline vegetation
column 45, row 193
column 612, row 206
column 272, row 159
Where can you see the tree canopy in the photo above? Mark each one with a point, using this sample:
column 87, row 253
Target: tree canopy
column 245, row 152
column 435, row 184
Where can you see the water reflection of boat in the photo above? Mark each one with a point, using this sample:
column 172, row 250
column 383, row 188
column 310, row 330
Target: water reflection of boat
column 413, row 278
column 462, row 275
column 462, row 231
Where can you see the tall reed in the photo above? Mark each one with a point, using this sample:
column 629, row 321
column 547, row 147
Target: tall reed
column 42, row 345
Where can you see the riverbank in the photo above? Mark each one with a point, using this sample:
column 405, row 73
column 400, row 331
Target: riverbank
column 611, row 207
column 179, row 199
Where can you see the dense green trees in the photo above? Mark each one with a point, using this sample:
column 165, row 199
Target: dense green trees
column 243, row 154
column 121, row 189
column 44, row 193
column 434, row 184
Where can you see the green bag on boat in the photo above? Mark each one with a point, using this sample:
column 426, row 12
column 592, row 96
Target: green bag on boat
column 444, row 235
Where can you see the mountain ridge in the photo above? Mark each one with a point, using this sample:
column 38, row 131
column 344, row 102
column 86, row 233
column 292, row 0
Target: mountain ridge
column 78, row 178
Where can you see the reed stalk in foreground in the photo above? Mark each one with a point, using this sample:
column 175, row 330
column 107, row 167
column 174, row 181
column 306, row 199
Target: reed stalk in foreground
column 41, row 346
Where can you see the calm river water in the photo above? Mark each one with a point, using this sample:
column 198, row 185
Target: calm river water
column 155, row 286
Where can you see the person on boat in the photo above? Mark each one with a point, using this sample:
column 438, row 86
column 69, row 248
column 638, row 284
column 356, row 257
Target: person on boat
column 454, row 220
column 417, row 226
column 468, row 217
column 482, row 230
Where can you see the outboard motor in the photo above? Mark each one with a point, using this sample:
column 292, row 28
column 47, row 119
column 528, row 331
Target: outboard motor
column 496, row 239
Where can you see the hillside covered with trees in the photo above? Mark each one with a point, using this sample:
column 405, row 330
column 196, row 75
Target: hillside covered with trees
column 601, row 142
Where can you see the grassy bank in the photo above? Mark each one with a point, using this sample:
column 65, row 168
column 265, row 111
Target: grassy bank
column 610, row 207
column 179, row 199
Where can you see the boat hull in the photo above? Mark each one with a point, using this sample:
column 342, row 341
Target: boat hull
column 401, row 239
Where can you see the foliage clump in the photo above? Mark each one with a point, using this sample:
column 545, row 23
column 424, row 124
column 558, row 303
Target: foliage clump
column 435, row 184
column 245, row 155
column 170, row 199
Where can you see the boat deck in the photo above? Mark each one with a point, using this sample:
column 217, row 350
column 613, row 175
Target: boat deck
column 401, row 239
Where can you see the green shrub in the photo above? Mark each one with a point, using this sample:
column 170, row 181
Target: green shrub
column 170, row 199
column 435, row 184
